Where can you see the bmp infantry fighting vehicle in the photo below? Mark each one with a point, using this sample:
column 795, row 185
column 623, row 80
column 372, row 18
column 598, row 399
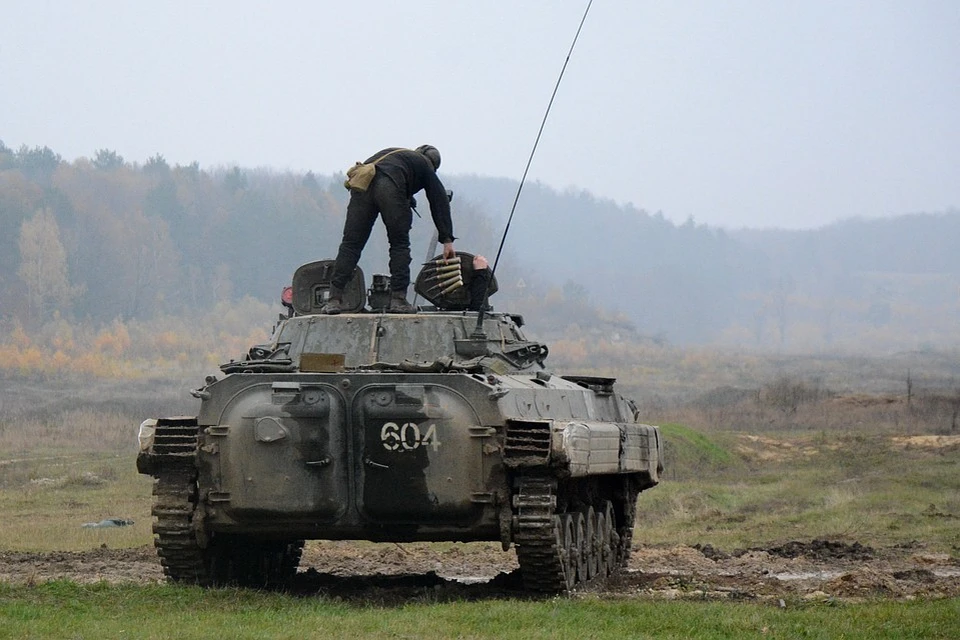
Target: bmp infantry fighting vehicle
column 438, row 425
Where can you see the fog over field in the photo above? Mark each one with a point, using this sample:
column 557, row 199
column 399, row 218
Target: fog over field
column 745, row 213
column 118, row 248
column 737, row 114
column 746, row 176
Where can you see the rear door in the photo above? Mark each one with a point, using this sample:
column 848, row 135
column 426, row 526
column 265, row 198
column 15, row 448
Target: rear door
column 419, row 453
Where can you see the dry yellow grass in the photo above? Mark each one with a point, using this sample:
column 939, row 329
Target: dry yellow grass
column 932, row 443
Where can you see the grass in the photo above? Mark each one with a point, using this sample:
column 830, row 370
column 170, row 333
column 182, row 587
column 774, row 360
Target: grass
column 727, row 488
column 65, row 610
column 690, row 447
column 762, row 475
column 45, row 500
column 738, row 490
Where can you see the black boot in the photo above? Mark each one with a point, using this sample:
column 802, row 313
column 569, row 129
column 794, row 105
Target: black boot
column 399, row 304
column 334, row 303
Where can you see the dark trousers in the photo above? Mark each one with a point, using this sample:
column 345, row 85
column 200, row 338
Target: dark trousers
column 478, row 289
column 385, row 198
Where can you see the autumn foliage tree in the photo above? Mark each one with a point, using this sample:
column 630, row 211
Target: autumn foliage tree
column 43, row 266
column 101, row 243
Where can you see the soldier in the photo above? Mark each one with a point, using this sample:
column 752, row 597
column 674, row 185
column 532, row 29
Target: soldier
column 480, row 282
column 400, row 173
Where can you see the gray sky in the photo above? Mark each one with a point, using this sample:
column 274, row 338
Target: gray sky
column 738, row 113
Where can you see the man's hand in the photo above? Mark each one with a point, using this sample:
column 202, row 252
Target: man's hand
column 448, row 251
column 480, row 263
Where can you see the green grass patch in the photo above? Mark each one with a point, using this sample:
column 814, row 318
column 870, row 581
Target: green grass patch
column 731, row 490
column 61, row 609
column 737, row 490
column 690, row 453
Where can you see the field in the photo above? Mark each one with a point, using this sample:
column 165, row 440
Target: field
column 793, row 505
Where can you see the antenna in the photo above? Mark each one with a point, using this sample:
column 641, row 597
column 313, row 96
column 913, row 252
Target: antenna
column 478, row 331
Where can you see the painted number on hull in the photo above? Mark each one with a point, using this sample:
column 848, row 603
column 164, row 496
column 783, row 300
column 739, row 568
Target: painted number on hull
column 407, row 437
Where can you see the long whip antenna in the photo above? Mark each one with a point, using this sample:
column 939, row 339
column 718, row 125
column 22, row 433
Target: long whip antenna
column 503, row 238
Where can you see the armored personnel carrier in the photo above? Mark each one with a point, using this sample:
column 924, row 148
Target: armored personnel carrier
column 438, row 425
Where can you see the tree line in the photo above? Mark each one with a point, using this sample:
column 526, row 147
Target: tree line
column 100, row 240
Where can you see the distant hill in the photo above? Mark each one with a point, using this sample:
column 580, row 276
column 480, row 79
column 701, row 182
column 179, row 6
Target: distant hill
column 99, row 239
column 885, row 283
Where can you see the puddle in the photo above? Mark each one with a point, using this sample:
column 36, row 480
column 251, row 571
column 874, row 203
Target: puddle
column 941, row 572
column 468, row 579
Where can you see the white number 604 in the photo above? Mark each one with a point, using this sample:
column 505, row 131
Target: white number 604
column 408, row 436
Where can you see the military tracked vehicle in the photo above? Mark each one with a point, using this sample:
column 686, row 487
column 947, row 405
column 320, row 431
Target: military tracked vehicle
column 442, row 425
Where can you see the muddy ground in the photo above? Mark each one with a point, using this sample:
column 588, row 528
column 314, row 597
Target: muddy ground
column 815, row 570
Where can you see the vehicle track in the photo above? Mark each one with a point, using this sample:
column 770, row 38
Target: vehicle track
column 388, row 573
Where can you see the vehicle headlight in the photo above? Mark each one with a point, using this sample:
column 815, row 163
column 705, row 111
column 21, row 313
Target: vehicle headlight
column 145, row 436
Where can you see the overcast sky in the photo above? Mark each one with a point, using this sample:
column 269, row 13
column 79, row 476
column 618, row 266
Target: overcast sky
column 755, row 113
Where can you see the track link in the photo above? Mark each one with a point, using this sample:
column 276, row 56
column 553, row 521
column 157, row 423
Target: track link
column 540, row 547
column 174, row 507
column 627, row 506
column 561, row 549
column 186, row 552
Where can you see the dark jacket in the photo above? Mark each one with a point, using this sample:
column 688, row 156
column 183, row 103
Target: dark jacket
column 411, row 172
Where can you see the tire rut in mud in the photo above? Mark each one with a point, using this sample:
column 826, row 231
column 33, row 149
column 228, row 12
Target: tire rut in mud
column 393, row 574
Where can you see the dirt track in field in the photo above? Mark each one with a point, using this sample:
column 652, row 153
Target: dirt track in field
column 385, row 574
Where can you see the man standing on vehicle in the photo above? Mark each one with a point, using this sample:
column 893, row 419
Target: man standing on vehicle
column 400, row 173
